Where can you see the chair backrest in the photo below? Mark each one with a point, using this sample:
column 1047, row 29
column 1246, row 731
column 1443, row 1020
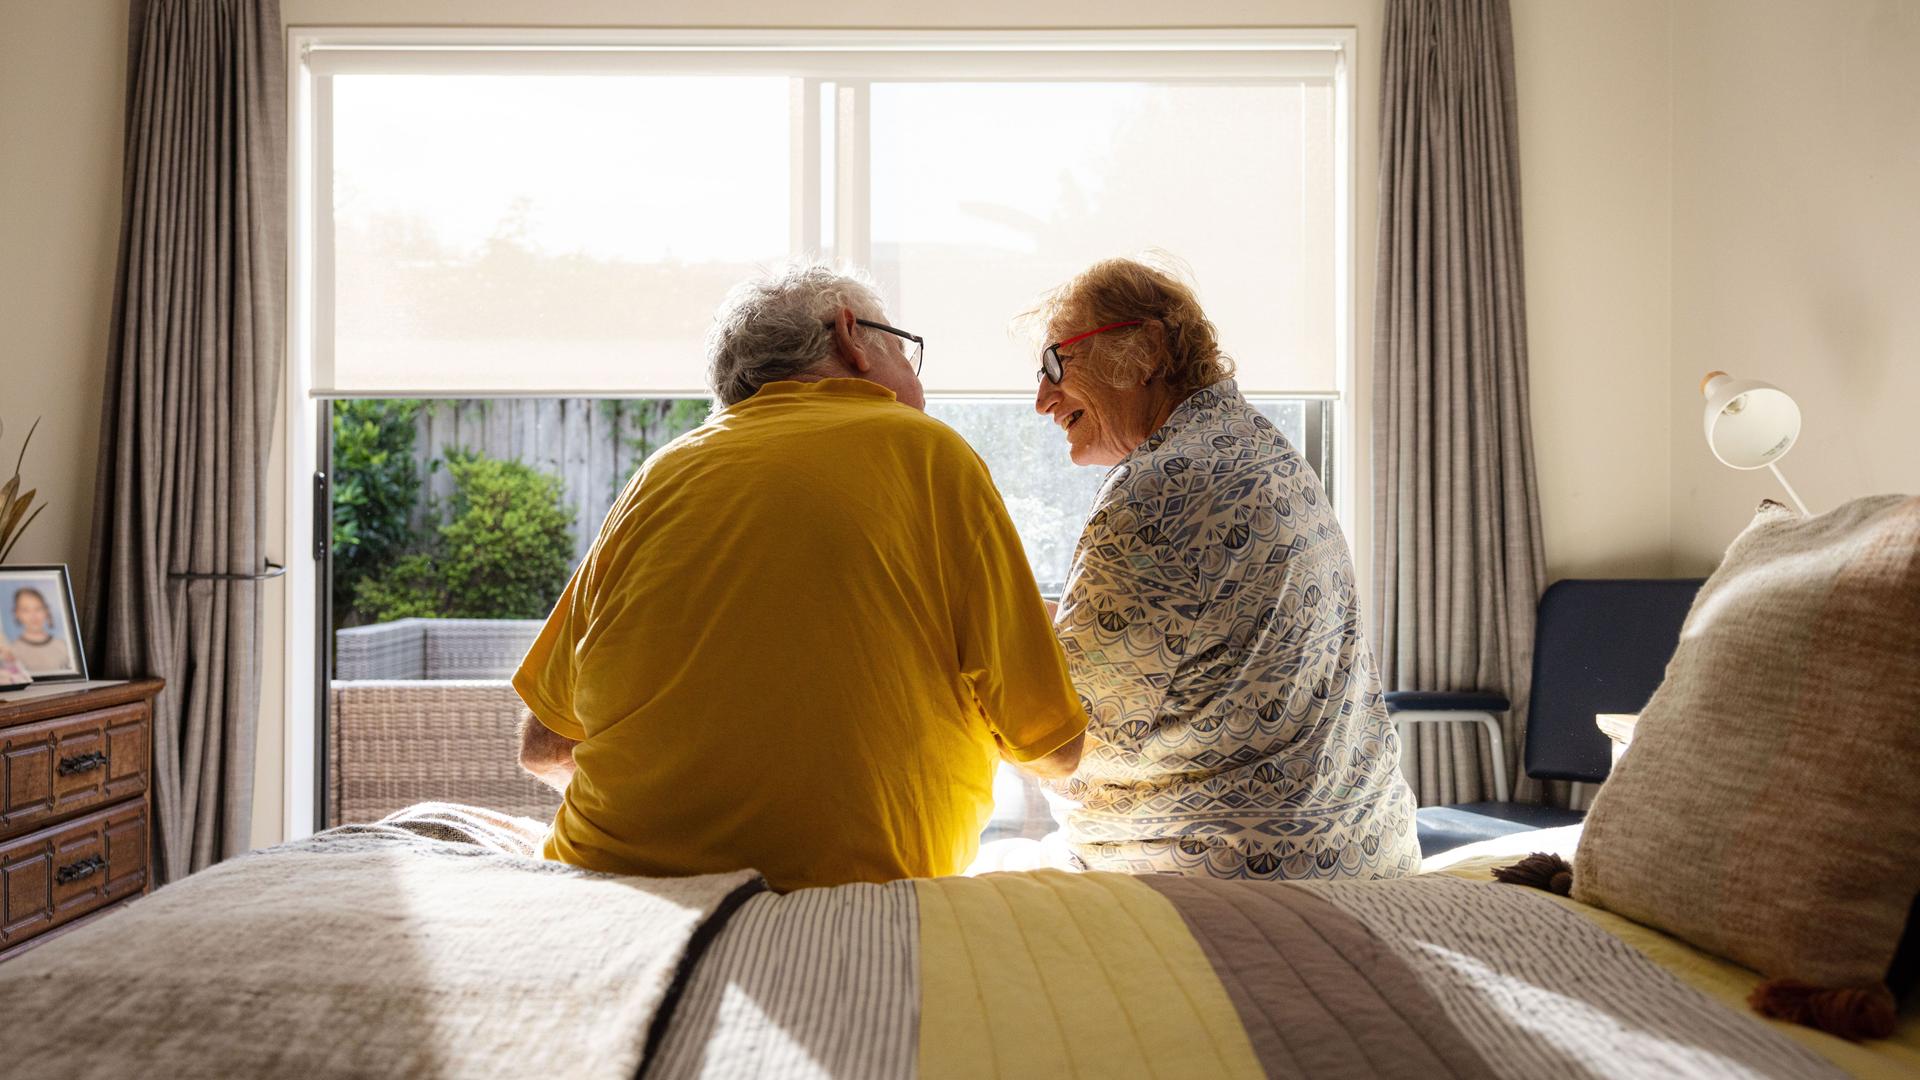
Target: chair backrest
column 388, row 650
column 1599, row 646
column 478, row 648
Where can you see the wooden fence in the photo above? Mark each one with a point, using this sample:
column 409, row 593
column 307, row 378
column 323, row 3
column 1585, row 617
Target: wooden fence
column 592, row 444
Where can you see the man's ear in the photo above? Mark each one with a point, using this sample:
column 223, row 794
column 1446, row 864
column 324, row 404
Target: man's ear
column 846, row 342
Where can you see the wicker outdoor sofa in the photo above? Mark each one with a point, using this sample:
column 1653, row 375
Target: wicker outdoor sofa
column 422, row 710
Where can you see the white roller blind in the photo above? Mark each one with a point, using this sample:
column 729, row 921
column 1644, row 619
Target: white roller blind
column 558, row 222
column 545, row 233
column 987, row 195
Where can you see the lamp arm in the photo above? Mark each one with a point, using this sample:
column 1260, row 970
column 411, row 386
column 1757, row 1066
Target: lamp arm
column 1791, row 494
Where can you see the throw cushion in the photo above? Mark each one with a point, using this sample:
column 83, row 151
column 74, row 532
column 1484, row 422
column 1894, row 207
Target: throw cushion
column 1769, row 810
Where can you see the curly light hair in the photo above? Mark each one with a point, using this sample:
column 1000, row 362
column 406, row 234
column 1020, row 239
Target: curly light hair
column 1175, row 341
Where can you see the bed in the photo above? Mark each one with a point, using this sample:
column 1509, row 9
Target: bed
column 435, row 943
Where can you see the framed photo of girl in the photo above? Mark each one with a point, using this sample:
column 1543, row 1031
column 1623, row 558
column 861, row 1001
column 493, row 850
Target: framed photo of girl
column 39, row 626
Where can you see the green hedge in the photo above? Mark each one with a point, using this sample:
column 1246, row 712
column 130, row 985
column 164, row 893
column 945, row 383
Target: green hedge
column 376, row 487
column 503, row 552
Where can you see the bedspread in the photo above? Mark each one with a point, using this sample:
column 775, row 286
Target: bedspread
column 1055, row 974
column 428, row 945
column 433, row 944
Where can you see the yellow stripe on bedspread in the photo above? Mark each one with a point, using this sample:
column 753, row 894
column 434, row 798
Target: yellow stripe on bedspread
column 1055, row 974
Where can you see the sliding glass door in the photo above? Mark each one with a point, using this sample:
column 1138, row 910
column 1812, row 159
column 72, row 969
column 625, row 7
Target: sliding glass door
column 511, row 247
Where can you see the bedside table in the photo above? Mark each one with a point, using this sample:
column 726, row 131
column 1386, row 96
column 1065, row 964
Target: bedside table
column 1618, row 728
column 74, row 824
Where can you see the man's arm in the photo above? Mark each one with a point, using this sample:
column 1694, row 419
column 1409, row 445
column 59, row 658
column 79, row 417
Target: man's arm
column 1055, row 766
column 549, row 757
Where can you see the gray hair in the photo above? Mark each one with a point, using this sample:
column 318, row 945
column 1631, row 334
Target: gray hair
column 779, row 325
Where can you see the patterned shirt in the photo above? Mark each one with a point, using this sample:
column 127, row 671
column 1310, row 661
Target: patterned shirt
column 1211, row 627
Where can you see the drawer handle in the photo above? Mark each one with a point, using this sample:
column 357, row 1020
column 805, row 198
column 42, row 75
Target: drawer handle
column 85, row 868
column 80, row 763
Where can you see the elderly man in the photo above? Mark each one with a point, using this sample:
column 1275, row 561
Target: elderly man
column 807, row 630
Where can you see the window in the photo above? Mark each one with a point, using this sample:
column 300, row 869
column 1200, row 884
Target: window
column 987, row 194
column 553, row 219
column 506, row 233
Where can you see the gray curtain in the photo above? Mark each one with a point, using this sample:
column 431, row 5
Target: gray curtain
column 193, row 366
column 1457, row 562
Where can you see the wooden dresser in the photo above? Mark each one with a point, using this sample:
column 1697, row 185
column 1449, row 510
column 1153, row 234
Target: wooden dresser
column 75, row 768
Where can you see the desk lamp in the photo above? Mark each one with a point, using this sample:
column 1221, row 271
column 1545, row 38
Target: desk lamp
column 1751, row 425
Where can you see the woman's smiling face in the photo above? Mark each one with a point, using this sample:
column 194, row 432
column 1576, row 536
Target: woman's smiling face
column 1103, row 422
column 1132, row 343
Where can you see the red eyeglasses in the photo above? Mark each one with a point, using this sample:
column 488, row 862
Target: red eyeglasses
column 1051, row 362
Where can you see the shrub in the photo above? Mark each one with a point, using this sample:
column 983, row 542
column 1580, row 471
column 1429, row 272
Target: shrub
column 375, row 488
column 408, row 588
column 504, row 551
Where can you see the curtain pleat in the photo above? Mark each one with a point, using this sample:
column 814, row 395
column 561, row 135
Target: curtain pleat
column 194, row 362
column 1458, row 562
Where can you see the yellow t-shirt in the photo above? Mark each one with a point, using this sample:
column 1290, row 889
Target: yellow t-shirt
column 793, row 646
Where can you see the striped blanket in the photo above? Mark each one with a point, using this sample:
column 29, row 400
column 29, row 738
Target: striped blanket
column 433, row 944
column 1054, row 974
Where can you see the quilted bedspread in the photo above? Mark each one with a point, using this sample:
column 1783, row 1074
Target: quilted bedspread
column 1103, row 975
column 434, row 944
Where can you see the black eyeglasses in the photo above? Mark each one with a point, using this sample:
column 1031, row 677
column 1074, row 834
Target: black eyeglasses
column 919, row 343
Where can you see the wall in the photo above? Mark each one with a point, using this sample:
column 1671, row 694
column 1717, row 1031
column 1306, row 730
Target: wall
column 1596, row 207
column 1796, row 165
column 62, row 94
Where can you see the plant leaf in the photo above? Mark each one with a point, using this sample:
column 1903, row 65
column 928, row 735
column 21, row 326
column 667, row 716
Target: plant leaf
column 7, row 492
column 8, row 550
column 28, row 441
column 11, row 514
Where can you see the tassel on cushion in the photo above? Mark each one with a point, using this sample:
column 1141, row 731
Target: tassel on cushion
column 1851, row 1012
column 1538, row 871
column 1855, row 1013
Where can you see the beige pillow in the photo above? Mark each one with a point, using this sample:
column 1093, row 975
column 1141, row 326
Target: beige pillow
column 1769, row 809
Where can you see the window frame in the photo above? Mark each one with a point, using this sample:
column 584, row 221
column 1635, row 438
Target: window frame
column 313, row 53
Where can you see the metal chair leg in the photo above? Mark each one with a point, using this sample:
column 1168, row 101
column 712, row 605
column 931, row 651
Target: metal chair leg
column 1502, row 782
column 1502, row 788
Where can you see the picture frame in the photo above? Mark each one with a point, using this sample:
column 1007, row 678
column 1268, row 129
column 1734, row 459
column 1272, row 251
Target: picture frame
column 40, row 625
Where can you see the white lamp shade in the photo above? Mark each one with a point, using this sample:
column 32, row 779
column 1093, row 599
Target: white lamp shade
column 1749, row 424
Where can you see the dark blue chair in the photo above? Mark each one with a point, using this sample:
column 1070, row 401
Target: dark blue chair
column 1599, row 646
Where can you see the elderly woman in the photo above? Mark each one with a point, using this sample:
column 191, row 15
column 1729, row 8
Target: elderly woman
column 1209, row 618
